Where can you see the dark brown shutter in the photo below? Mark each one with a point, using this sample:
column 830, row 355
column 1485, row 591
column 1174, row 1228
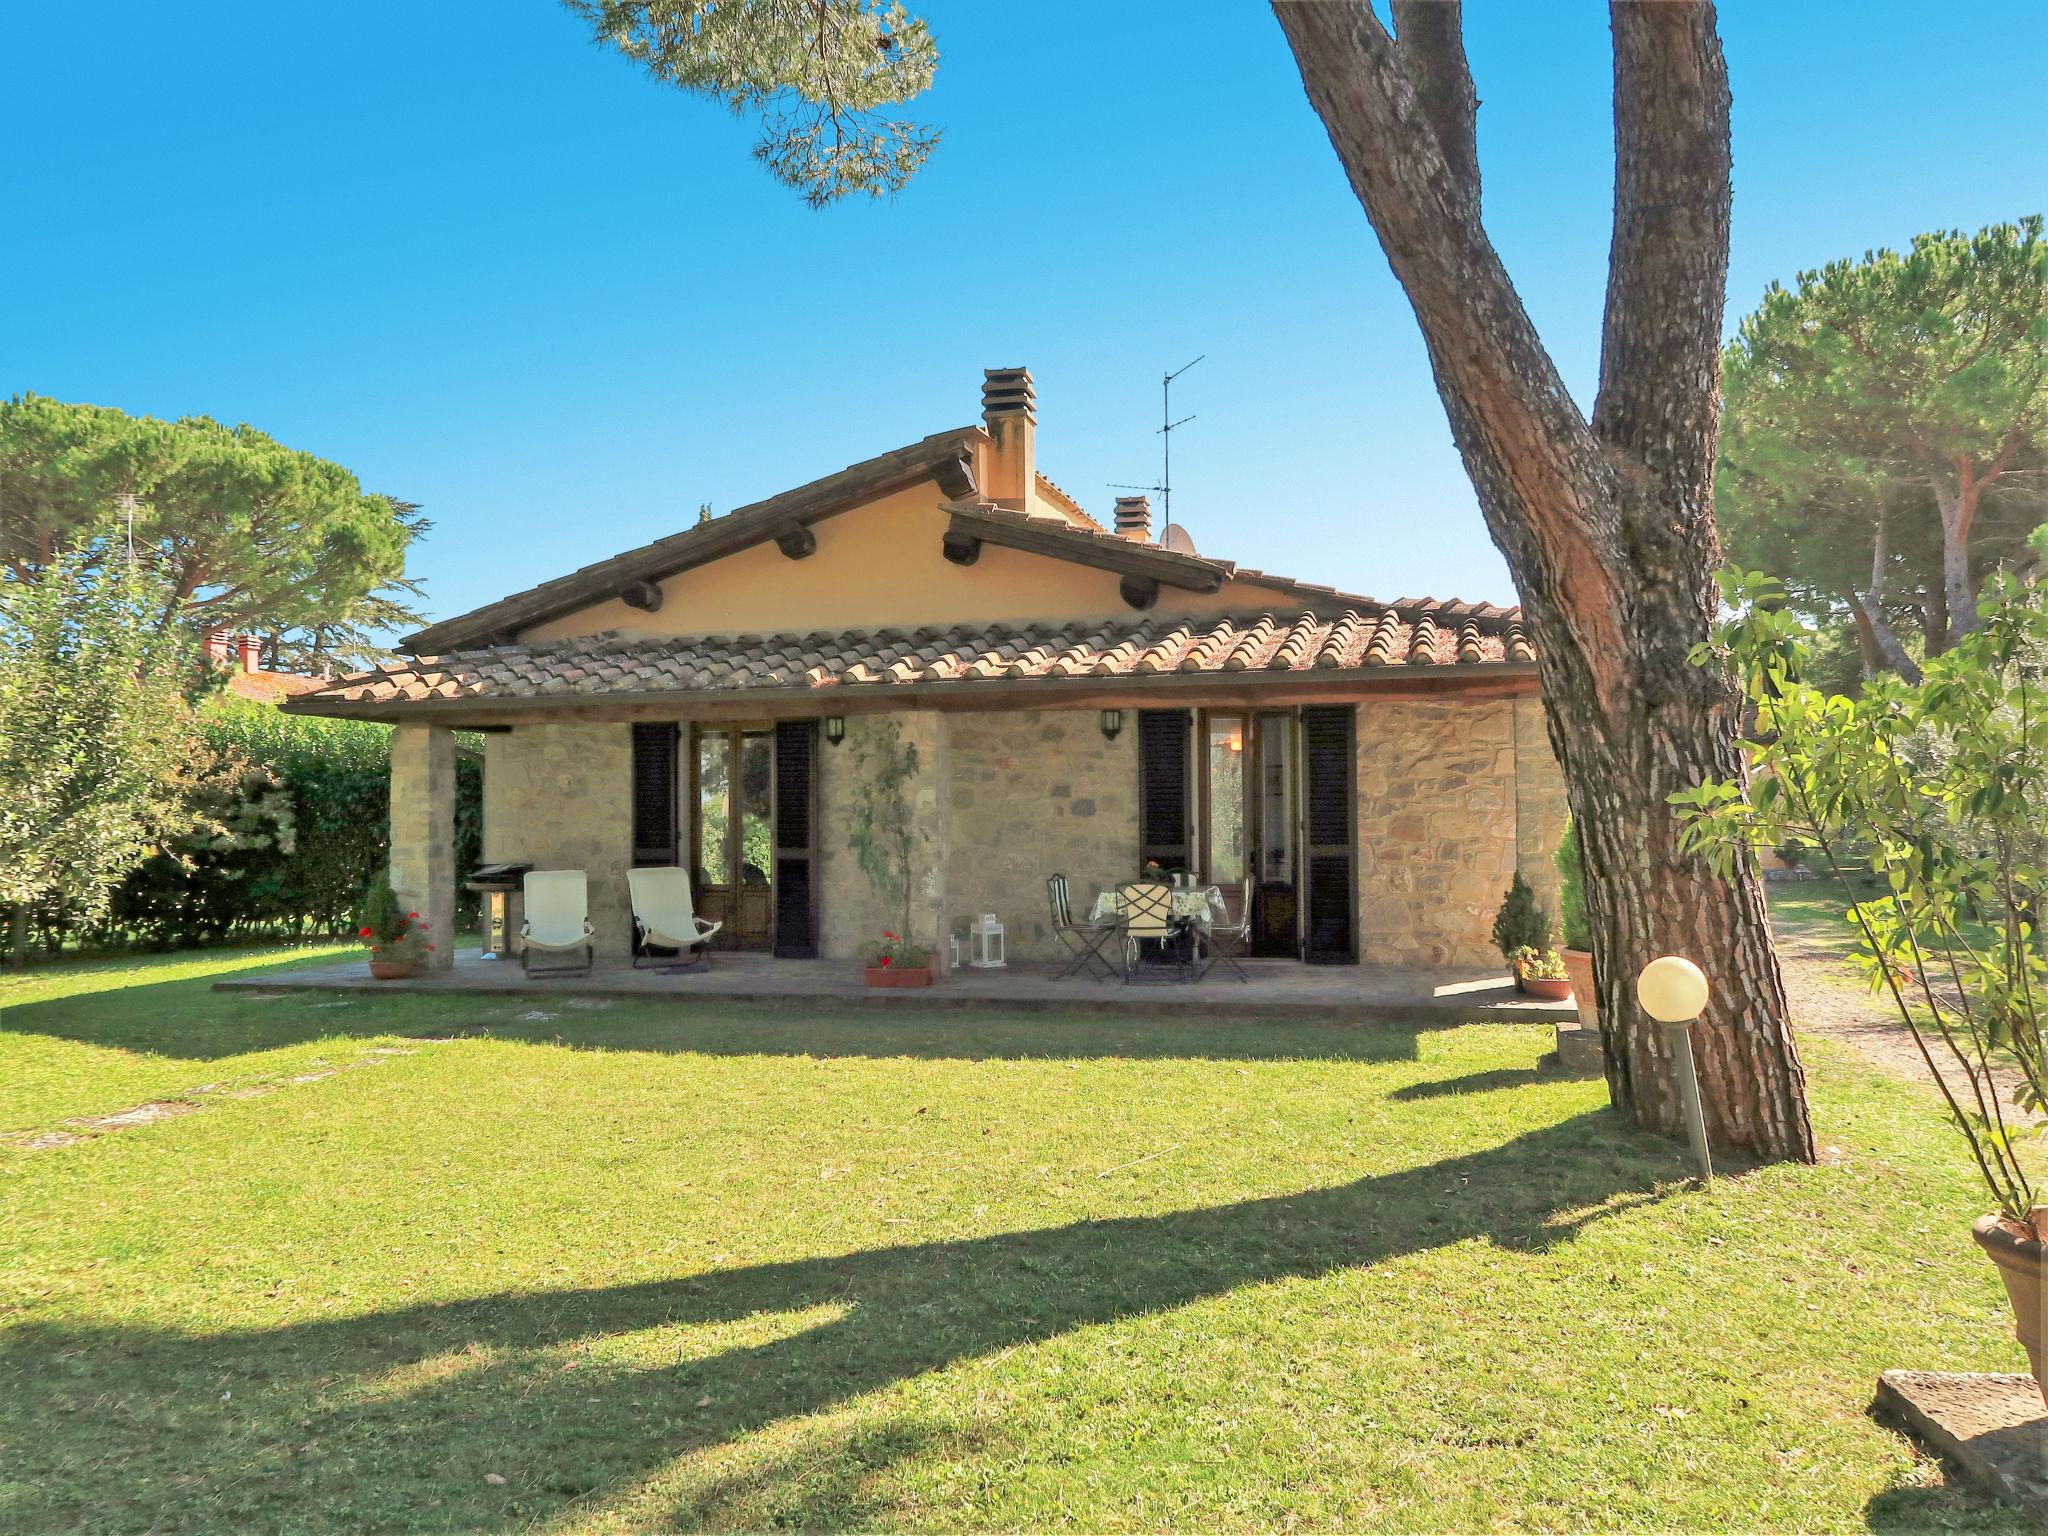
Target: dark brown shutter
column 1165, row 806
column 654, row 793
column 1329, row 752
column 796, row 839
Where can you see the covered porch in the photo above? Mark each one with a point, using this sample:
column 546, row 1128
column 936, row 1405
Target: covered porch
column 1277, row 988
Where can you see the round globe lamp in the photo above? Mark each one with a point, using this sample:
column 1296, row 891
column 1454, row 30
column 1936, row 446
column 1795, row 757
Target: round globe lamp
column 1673, row 991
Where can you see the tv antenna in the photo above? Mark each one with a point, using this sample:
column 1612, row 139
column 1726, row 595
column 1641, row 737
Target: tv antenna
column 128, row 501
column 1164, row 489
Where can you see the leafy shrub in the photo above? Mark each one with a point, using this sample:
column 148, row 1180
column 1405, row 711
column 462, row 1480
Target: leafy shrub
column 1571, row 890
column 1940, row 790
column 307, row 829
column 1521, row 922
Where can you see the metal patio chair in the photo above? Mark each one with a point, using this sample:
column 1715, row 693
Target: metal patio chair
column 1084, row 941
column 1148, row 919
column 1227, row 943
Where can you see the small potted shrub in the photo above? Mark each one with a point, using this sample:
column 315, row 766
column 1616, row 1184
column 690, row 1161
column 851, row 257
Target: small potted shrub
column 1577, row 953
column 897, row 962
column 1541, row 974
column 1521, row 924
column 397, row 938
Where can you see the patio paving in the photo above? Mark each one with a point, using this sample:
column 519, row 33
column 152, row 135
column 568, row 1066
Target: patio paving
column 1276, row 987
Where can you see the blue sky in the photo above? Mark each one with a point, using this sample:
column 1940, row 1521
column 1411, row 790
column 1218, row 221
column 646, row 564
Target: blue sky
column 499, row 272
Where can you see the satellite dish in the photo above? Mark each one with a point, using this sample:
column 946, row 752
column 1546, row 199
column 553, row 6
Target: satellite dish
column 1175, row 538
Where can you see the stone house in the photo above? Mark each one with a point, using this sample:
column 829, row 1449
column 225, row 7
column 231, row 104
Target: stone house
column 1082, row 698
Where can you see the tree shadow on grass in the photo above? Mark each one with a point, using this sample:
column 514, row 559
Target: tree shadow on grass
column 1946, row 1508
column 1491, row 1081
column 394, row 1420
column 185, row 1019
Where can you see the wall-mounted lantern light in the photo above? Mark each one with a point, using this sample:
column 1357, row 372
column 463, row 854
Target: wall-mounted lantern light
column 835, row 729
column 1112, row 724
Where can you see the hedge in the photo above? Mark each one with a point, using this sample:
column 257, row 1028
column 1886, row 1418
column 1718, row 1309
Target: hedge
column 307, row 828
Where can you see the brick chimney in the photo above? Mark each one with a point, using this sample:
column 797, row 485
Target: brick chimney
column 252, row 653
column 1008, row 411
column 220, row 645
column 1134, row 518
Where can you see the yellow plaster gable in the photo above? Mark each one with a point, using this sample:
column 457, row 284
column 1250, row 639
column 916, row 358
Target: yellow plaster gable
column 879, row 567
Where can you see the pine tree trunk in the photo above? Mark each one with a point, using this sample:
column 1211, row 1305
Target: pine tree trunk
column 1958, row 505
column 1607, row 525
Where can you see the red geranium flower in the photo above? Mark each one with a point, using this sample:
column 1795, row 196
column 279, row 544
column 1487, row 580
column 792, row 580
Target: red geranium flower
column 885, row 962
column 363, row 933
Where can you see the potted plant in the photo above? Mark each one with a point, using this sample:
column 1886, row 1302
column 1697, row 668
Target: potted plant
column 397, row 938
column 1940, row 789
column 896, row 962
column 885, row 838
column 1577, row 953
column 1541, row 973
column 1521, row 923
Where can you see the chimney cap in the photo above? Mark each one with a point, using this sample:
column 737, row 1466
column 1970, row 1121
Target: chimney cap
column 1134, row 517
column 1007, row 392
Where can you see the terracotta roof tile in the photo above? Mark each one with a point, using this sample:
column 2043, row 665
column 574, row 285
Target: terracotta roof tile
column 1454, row 635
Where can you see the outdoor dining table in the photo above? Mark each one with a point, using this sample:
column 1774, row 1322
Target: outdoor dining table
column 1201, row 905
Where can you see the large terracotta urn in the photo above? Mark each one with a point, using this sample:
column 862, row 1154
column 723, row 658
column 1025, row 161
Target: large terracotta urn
column 2022, row 1260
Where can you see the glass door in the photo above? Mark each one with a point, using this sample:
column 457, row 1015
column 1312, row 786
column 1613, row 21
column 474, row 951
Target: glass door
column 733, row 769
column 1223, row 807
column 1276, row 904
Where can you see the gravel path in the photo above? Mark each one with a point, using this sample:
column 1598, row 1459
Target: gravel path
column 1829, row 999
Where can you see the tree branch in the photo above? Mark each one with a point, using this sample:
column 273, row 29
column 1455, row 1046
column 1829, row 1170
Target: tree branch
column 1431, row 41
column 1668, row 265
column 1516, row 424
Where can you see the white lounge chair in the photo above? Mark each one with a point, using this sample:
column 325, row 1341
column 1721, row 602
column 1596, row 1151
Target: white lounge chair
column 557, row 921
column 665, row 917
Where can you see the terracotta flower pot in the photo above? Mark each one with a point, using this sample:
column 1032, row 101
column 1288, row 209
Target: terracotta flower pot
column 391, row 970
column 1578, row 966
column 898, row 975
column 2023, row 1265
column 1549, row 989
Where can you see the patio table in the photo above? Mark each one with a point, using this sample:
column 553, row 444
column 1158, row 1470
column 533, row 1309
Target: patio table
column 1200, row 904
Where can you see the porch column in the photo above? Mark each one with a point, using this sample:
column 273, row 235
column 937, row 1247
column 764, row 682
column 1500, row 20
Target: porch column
column 423, row 832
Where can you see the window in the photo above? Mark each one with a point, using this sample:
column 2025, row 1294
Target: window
column 1223, row 800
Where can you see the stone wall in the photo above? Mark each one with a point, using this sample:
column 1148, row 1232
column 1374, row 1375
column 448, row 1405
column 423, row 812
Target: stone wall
column 852, row 914
column 560, row 797
column 1035, row 792
column 1436, row 829
column 1452, row 795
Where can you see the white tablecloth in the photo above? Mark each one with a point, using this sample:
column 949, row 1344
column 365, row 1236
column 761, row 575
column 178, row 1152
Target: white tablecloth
column 1203, row 904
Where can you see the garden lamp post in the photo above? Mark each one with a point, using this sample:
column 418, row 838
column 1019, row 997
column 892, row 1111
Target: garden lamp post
column 1673, row 991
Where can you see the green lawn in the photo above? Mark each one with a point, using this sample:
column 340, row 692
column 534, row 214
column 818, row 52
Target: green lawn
column 652, row 1266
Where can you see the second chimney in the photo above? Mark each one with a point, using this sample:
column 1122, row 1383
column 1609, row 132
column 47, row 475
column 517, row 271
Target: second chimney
column 1008, row 411
column 1134, row 518
column 252, row 653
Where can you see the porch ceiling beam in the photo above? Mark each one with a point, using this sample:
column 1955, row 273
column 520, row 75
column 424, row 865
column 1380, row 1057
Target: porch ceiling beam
column 1126, row 557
